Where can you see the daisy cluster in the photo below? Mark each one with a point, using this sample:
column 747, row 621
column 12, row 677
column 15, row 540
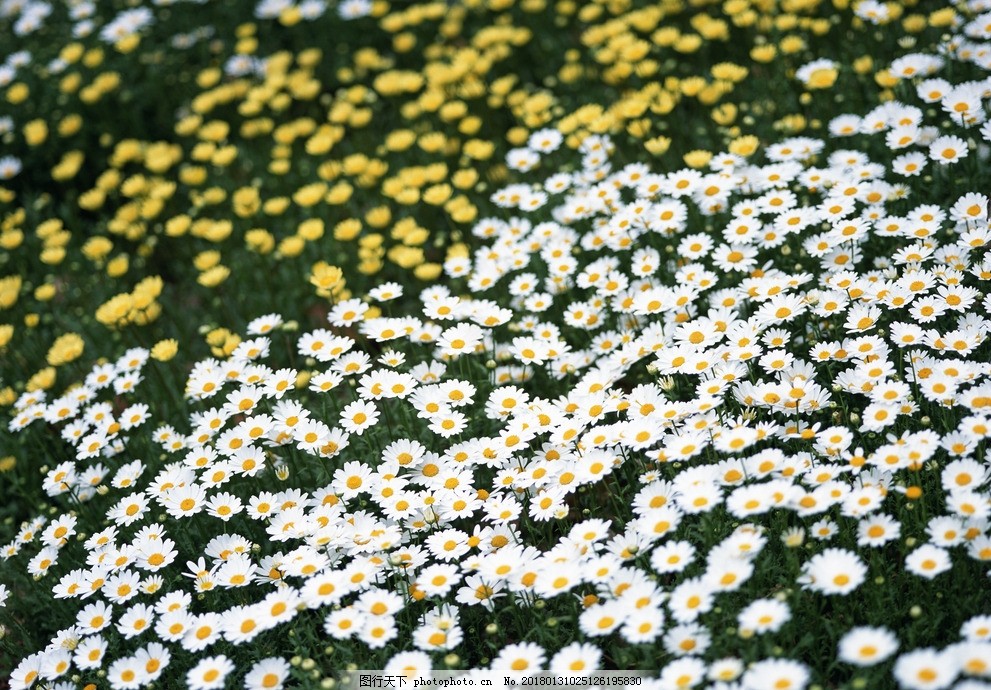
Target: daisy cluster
column 725, row 420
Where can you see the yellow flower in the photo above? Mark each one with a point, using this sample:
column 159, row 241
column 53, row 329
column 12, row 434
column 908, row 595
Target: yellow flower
column 217, row 231
column 127, row 44
column 764, row 53
column 142, row 317
column 164, row 350
column 744, row 146
column 465, row 178
column 688, row 43
column 943, row 17
column 458, row 250
column 347, row 229
column 310, row 195
column 66, row 348
column 8, row 463
column 35, row 132
column 479, row 149
column 259, row 240
column 416, row 237
column 697, row 158
column 212, row 196
column 222, row 342
column 150, row 287
column 658, row 145
column 311, row 229
column 53, row 233
column 106, row 82
column 461, row 210
column 188, row 125
column 885, row 79
column 369, row 266
column 6, row 333
column 160, row 156
column 791, row 123
column 666, row 36
column 10, row 288
column 406, row 257
column 13, row 220
column 70, row 83
column 92, row 199
column 437, row 194
column 408, row 196
column 470, row 125
column 725, row 114
column 246, row 202
column 291, row 246
column 371, row 241
column 404, row 42
column 18, row 93
column 691, row 86
column 217, row 336
column 41, row 380
column 863, row 65
column 428, row 271
column 639, row 128
column 214, row 131
column 109, row 180
column 275, row 206
column 517, row 136
column 115, row 310
column 822, row 78
column 71, row 52
column 400, row 140
column 214, row 276
column 93, row 57
column 432, row 142
column 118, row 266
column 224, row 156
column 792, row 44
column 378, row 217
column 729, row 71
column 355, row 164
column 45, row 292
column 192, row 175
column 323, row 141
column 69, row 125
column 204, row 261
column 326, row 278
column 339, row 193
column 48, row 228
column 68, row 166
column 290, row 16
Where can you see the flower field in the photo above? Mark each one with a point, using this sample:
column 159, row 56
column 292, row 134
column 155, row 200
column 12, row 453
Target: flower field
column 495, row 334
